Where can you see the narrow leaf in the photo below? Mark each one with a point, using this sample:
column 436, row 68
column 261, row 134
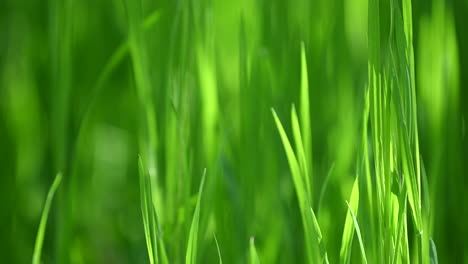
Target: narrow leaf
column 358, row 232
column 191, row 254
column 348, row 232
column 43, row 223
column 253, row 252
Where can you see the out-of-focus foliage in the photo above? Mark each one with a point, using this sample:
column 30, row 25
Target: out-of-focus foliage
column 87, row 87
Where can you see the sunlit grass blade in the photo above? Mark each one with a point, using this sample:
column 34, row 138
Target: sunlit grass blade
column 406, row 109
column 218, row 249
column 405, row 253
column 411, row 184
column 401, row 237
column 208, row 85
column 296, row 128
column 306, row 130
column 348, row 231
column 319, row 239
column 147, row 213
column 43, row 223
column 358, row 232
column 191, row 254
column 395, row 212
column 293, row 163
column 253, row 252
column 433, row 252
column 373, row 38
column 315, row 250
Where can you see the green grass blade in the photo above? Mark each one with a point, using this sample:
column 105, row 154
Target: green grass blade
column 253, row 252
column 43, row 223
column 293, row 163
column 305, row 112
column 146, row 211
column 373, row 39
column 348, row 232
column 319, row 239
column 315, row 249
column 433, row 252
column 324, row 187
column 191, row 254
column 300, row 151
column 154, row 241
column 358, row 232
column 119, row 54
column 399, row 215
column 218, row 249
column 405, row 253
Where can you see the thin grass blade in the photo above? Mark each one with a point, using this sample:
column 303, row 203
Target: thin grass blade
column 191, row 254
column 348, row 232
column 218, row 249
column 358, row 232
column 43, row 223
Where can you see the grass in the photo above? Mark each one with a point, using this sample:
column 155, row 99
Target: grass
column 348, row 230
column 43, row 223
column 191, row 255
column 299, row 176
column 253, row 252
column 331, row 132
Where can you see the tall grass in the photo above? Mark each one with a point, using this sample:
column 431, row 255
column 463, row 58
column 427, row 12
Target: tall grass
column 233, row 132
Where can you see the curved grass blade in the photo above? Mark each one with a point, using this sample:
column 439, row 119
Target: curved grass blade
column 43, row 223
column 348, row 232
column 191, row 254
column 219, row 251
column 358, row 232
column 115, row 60
column 315, row 249
column 293, row 164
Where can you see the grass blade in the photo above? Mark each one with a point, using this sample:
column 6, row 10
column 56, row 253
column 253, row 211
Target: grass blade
column 305, row 115
column 433, row 252
column 324, row 187
column 218, row 249
column 313, row 238
column 293, row 164
column 300, row 151
column 358, row 232
column 319, row 238
column 147, row 213
column 253, row 252
column 348, row 232
column 43, row 223
column 191, row 255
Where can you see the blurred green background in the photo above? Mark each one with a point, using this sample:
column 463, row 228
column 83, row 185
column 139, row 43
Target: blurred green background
column 68, row 103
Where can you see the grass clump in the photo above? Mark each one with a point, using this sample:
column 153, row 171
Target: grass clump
column 333, row 131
